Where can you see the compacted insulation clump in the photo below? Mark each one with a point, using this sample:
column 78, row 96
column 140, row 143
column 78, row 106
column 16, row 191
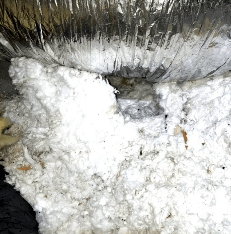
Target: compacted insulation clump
column 103, row 169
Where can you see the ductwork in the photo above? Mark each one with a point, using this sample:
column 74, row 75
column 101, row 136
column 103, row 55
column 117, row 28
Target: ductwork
column 158, row 40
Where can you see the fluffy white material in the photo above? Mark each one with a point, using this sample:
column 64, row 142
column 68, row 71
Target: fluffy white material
column 169, row 173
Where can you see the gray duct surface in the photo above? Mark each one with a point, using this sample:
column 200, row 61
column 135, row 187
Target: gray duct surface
column 158, row 40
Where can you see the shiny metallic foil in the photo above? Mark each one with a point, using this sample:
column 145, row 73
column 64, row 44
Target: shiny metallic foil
column 156, row 40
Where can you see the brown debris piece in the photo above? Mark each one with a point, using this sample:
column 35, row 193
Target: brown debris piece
column 24, row 168
column 185, row 137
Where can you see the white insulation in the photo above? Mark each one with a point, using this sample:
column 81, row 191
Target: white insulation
column 107, row 172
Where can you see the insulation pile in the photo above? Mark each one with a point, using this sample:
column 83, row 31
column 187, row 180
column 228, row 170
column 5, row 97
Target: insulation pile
column 155, row 160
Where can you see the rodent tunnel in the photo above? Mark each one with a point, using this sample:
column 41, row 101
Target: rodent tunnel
column 120, row 116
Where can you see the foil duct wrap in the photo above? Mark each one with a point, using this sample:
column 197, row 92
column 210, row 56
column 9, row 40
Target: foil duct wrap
column 158, row 40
